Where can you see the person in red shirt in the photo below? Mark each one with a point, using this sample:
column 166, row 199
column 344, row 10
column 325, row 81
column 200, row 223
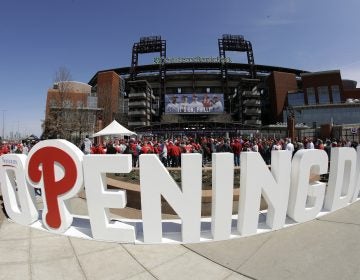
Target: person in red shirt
column 177, row 155
column 171, row 153
column 188, row 148
column 4, row 150
column 196, row 148
column 151, row 148
column 236, row 147
column 144, row 148
column 133, row 150
column 98, row 149
column 174, row 153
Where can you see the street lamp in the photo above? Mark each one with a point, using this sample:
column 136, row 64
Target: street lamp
column 3, row 128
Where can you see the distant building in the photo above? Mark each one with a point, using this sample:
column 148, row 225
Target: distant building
column 320, row 98
column 71, row 111
column 110, row 89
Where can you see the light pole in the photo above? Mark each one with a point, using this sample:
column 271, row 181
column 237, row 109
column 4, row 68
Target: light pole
column 3, row 128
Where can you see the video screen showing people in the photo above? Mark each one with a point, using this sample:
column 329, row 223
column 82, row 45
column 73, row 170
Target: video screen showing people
column 199, row 103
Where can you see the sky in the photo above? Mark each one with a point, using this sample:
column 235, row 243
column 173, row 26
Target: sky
column 85, row 36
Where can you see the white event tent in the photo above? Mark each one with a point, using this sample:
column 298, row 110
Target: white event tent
column 114, row 129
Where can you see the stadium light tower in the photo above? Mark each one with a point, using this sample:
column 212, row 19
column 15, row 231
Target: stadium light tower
column 150, row 44
column 239, row 44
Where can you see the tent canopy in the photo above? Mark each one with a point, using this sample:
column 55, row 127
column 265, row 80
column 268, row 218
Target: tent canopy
column 114, row 129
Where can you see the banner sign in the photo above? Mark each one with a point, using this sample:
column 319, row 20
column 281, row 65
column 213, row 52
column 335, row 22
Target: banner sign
column 199, row 103
column 60, row 170
column 197, row 59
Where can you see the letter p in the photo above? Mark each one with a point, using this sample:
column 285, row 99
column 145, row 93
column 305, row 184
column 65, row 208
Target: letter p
column 56, row 167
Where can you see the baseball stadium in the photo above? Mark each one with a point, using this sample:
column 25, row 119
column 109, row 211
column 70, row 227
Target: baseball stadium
column 162, row 96
column 210, row 95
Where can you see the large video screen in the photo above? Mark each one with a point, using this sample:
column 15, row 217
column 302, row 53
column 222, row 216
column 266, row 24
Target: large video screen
column 199, row 103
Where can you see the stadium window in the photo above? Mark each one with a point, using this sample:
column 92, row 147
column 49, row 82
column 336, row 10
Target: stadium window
column 208, row 90
column 323, row 93
column 335, row 94
column 92, row 102
column 67, row 104
column 296, row 99
column 79, row 104
column 311, row 96
column 179, row 90
column 53, row 103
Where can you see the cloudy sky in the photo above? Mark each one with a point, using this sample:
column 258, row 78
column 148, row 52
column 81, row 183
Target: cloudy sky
column 85, row 36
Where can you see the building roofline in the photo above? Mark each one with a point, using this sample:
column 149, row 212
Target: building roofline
column 320, row 73
column 198, row 66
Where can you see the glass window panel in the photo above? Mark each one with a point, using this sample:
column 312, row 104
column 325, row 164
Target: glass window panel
column 336, row 94
column 79, row 104
column 92, row 102
column 296, row 99
column 342, row 115
column 323, row 94
column 311, row 96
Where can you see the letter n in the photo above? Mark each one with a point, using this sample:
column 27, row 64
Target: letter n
column 155, row 181
column 357, row 172
column 257, row 180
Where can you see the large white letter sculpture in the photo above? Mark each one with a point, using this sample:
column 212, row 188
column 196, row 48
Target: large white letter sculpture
column 19, row 197
column 256, row 179
column 59, row 168
column 306, row 199
column 357, row 182
column 100, row 200
column 56, row 167
column 222, row 195
column 340, row 190
column 155, row 181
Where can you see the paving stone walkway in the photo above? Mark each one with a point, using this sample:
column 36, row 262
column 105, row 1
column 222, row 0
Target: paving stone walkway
column 327, row 248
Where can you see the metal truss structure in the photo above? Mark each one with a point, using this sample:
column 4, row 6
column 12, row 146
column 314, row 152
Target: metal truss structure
column 151, row 44
column 239, row 44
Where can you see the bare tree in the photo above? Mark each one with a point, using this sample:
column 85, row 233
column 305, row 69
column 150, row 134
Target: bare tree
column 85, row 121
column 61, row 79
column 69, row 116
column 57, row 118
column 105, row 102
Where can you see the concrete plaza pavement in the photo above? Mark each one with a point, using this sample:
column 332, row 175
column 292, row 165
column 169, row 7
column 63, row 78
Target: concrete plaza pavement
column 326, row 248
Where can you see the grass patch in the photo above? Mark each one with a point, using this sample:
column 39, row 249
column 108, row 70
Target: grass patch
column 134, row 178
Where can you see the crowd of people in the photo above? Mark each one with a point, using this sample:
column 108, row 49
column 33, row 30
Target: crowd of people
column 16, row 147
column 169, row 150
